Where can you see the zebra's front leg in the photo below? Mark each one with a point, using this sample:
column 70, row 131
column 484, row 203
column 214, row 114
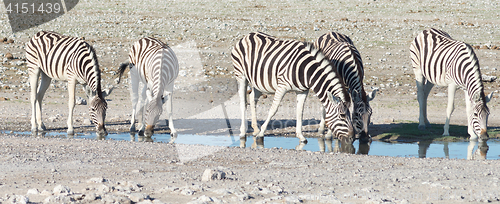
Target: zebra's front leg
column 468, row 109
column 321, row 129
column 242, row 86
column 140, row 110
column 169, row 97
column 33, row 77
column 254, row 97
column 301, row 99
column 278, row 96
column 71, row 105
column 449, row 110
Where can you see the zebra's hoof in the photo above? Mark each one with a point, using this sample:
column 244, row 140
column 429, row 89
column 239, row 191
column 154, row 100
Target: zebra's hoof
column 71, row 132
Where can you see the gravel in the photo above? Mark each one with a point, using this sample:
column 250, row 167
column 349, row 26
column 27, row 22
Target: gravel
column 202, row 34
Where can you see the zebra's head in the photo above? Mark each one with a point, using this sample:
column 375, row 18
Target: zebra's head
column 478, row 120
column 338, row 118
column 153, row 112
column 362, row 113
column 97, row 111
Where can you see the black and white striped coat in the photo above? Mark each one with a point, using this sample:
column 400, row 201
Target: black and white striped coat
column 270, row 65
column 345, row 57
column 55, row 56
column 154, row 64
column 438, row 59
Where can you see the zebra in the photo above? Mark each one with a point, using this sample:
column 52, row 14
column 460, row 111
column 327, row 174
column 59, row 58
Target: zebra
column 154, row 64
column 270, row 65
column 55, row 56
column 439, row 59
column 340, row 50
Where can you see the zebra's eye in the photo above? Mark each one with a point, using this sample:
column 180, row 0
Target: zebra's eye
column 342, row 115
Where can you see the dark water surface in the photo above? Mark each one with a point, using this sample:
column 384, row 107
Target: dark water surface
column 453, row 150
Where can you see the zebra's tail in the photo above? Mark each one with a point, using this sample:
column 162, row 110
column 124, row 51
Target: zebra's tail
column 122, row 69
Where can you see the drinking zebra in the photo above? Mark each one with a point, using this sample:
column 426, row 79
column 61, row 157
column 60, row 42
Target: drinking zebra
column 270, row 65
column 438, row 59
column 153, row 63
column 345, row 57
column 55, row 56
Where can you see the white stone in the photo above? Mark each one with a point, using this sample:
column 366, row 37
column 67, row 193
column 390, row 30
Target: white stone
column 33, row 191
column 211, row 174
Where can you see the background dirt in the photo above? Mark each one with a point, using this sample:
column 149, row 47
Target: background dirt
column 202, row 34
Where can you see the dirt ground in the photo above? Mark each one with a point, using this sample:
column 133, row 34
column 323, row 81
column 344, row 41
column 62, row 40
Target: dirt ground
column 202, row 34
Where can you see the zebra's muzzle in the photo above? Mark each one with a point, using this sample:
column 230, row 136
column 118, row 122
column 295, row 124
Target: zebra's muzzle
column 101, row 130
column 484, row 135
column 149, row 130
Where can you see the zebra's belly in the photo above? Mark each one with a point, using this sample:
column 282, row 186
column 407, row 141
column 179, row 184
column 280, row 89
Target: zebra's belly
column 56, row 75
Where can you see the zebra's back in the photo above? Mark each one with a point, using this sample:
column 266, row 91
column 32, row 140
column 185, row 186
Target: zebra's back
column 341, row 52
column 265, row 62
column 55, row 55
column 155, row 61
column 444, row 60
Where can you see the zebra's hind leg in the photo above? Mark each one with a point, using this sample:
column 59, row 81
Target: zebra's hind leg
column 278, row 96
column 254, row 97
column 449, row 110
column 422, row 97
column 44, row 85
column 301, row 99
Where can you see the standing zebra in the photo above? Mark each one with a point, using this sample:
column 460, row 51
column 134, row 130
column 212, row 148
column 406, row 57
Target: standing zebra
column 153, row 63
column 438, row 59
column 59, row 57
column 276, row 66
column 345, row 57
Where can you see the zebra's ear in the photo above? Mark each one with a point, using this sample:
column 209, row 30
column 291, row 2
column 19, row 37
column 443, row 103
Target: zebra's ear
column 333, row 98
column 356, row 96
column 489, row 96
column 88, row 91
column 107, row 92
column 371, row 95
column 476, row 97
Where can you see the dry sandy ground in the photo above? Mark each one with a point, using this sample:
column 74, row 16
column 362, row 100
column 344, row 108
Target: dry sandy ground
column 202, row 34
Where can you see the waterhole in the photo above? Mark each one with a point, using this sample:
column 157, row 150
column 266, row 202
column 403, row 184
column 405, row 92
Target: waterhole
column 423, row 149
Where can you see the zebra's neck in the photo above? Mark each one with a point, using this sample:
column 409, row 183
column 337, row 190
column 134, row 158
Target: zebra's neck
column 326, row 79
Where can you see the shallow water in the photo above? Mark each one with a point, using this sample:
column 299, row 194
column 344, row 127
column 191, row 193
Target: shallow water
column 452, row 150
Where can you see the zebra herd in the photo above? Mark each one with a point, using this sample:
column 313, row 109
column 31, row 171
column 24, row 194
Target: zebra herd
column 331, row 67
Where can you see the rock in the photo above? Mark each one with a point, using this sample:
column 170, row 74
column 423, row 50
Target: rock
column 80, row 101
column 486, row 78
column 58, row 199
column 202, row 199
column 211, row 174
column 96, row 180
column 187, row 191
column 138, row 197
column 109, row 198
column 9, row 56
column 293, row 199
column 33, row 191
column 18, row 199
column 87, row 121
column 10, row 41
column 62, row 190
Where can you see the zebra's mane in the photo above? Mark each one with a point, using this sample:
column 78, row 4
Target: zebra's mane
column 318, row 54
column 97, row 69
